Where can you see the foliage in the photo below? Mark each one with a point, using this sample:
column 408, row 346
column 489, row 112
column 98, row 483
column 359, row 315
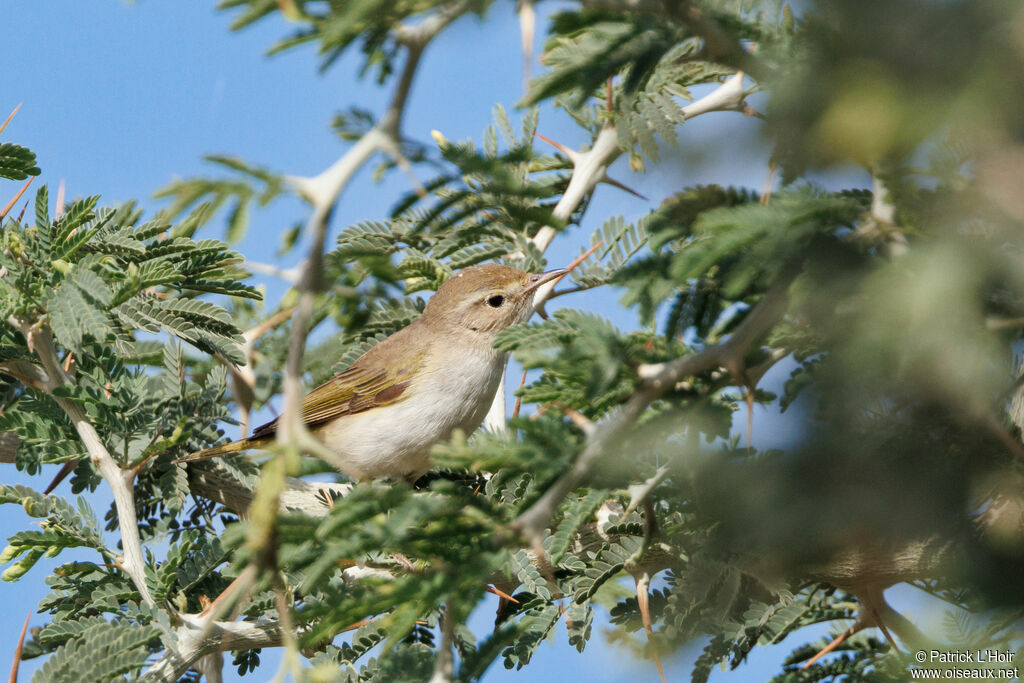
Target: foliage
column 900, row 313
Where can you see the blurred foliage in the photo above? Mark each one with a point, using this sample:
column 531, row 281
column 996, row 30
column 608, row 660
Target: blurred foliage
column 896, row 354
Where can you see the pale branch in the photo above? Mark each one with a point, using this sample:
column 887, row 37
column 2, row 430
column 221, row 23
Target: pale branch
column 195, row 638
column 243, row 377
column 496, row 418
column 444, row 666
column 209, row 480
column 660, row 378
column 323, row 192
column 423, row 32
column 638, row 493
column 120, row 481
column 289, row 275
column 589, row 168
column 850, row 567
column 29, row 374
column 527, row 26
column 880, row 224
column 729, row 96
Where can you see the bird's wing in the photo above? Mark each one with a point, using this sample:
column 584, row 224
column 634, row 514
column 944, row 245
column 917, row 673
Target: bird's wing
column 368, row 383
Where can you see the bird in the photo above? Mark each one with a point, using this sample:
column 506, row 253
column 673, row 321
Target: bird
column 380, row 417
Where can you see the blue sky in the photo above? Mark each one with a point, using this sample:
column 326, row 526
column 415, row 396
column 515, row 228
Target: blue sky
column 120, row 98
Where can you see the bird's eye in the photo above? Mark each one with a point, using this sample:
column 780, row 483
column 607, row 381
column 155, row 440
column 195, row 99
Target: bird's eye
column 495, row 301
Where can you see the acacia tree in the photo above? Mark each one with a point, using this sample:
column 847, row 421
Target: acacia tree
column 896, row 309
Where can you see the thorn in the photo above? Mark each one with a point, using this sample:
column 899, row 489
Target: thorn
column 527, row 26
column 749, row 398
column 254, row 333
column 501, row 594
column 585, row 424
column 403, row 562
column 9, row 117
column 242, row 581
column 608, row 108
column 581, row 258
column 68, row 362
column 750, row 419
column 58, row 210
column 24, row 629
column 750, row 111
column 839, row 640
column 22, row 214
column 739, row 377
column 616, row 183
column 545, row 567
column 289, row 10
column 996, row 430
column 571, row 153
column 881, row 626
column 358, row 624
column 67, row 469
column 540, row 411
column 325, row 493
column 643, row 601
column 4, row 211
column 769, row 182
column 519, row 399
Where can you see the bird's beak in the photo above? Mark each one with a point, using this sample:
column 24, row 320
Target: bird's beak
column 538, row 279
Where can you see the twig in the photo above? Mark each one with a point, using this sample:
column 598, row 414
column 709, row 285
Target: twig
column 544, row 291
column 444, row 667
column 290, row 275
column 120, row 481
column 10, row 116
column 243, row 378
column 24, row 628
column 527, row 24
column 643, row 602
column 519, row 399
column 659, row 379
column 14, row 200
column 728, row 96
column 58, row 206
column 195, row 640
column 199, row 636
column 638, row 492
column 588, row 169
column 769, row 182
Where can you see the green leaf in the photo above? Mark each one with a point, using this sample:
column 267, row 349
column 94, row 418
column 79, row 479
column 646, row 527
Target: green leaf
column 17, row 162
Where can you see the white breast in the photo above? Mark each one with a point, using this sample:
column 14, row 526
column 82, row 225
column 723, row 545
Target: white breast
column 395, row 440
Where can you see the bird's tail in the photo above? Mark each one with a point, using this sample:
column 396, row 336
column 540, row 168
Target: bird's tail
column 233, row 447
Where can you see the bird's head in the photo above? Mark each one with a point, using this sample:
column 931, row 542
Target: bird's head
column 486, row 299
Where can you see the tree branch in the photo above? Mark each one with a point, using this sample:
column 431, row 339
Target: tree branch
column 729, row 96
column 196, row 638
column 659, row 379
column 120, row 481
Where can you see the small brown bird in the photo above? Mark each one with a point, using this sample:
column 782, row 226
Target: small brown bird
column 382, row 415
